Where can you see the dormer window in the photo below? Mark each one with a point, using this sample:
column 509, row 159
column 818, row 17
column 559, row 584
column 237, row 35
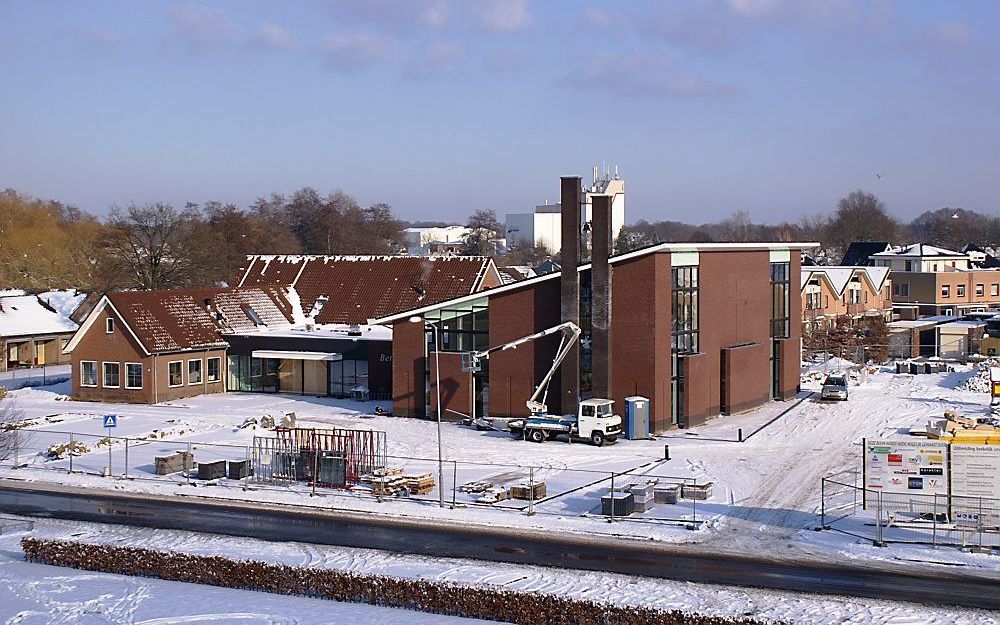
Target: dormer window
column 109, row 325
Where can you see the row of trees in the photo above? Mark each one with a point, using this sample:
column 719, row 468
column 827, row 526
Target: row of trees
column 858, row 216
column 45, row 244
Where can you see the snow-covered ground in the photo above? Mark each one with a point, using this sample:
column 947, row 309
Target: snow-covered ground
column 43, row 594
column 766, row 489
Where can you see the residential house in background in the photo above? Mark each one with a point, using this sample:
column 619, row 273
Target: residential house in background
column 830, row 294
column 929, row 281
column 859, row 253
column 36, row 328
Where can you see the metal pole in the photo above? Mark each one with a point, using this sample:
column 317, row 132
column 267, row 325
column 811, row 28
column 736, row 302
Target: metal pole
column 72, row 445
column 611, row 519
column 934, row 531
column 190, row 459
column 437, row 375
column 531, row 491
column 822, row 503
column 454, row 481
column 126, row 458
column 315, row 475
column 17, row 444
column 109, row 452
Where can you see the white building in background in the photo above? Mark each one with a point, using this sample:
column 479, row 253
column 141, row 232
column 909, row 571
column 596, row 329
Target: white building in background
column 543, row 227
column 419, row 240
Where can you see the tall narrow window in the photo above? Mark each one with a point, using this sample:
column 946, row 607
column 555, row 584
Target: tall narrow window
column 133, row 375
column 88, row 373
column 112, row 375
column 175, row 373
column 684, row 333
column 780, row 304
column 194, row 371
column 109, row 325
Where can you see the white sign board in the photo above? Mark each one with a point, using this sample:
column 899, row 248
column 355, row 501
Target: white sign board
column 906, row 472
column 975, row 471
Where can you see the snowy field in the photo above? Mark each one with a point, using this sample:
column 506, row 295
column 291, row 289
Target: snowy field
column 766, row 490
column 43, row 594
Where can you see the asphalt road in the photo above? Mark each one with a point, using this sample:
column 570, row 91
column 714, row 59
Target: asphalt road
column 593, row 553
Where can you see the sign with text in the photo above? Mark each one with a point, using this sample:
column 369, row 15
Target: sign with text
column 975, row 471
column 905, row 472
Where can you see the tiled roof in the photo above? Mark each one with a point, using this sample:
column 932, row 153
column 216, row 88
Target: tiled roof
column 359, row 288
column 166, row 321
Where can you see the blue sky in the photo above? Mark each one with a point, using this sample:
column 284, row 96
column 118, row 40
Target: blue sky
column 441, row 107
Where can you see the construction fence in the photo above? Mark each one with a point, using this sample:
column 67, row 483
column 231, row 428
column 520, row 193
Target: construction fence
column 353, row 464
column 922, row 519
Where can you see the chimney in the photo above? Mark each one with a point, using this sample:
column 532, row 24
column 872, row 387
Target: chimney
column 600, row 289
column 569, row 258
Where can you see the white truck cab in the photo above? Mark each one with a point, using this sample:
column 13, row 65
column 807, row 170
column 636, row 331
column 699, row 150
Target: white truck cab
column 595, row 422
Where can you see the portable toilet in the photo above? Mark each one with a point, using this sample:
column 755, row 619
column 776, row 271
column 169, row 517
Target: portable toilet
column 636, row 417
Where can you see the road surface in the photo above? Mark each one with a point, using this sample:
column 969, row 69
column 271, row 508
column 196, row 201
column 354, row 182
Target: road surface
column 692, row 563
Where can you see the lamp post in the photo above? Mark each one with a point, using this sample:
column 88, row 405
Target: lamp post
column 437, row 388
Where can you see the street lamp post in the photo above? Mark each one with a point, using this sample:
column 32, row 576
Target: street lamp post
column 437, row 388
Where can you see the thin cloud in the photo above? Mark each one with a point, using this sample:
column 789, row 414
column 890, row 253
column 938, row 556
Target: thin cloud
column 394, row 14
column 504, row 16
column 102, row 37
column 354, row 52
column 646, row 75
column 438, row 58
column 949, row 35
column 273, row 37
column 200, row 27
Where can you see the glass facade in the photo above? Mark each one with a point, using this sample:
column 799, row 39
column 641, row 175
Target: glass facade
column 346, row 374
column 780, row 302
column 684, row 332
column 461, row 328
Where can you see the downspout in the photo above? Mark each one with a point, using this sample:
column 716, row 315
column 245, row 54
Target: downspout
column 156, row 387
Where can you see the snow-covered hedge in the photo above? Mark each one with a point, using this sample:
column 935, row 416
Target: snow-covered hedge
column 490, row 603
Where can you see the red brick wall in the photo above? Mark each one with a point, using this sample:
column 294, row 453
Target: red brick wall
column 790, row 367
column 640, row 335
column 699, row 403
column 408, row 345
column 514, row 373
column 748, row 378
column 455, row 387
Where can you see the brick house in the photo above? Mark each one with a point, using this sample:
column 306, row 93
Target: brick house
column 293, row 324
column 837, row 293
column 34, row 332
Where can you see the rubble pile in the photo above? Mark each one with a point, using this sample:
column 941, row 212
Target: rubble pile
column 979, row 381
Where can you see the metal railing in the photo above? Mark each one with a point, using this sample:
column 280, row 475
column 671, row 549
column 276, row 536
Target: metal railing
column 515, row 488
column 923, row 519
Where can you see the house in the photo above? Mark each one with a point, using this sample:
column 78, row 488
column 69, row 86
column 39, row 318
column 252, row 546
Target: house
column 293, row 324
column 832, row 293
column 929, row 280
column 700, row 329
column 36, row 328
column 154, row 346
column 859, row 253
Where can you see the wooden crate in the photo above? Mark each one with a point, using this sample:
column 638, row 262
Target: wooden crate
column 180, row 461
column 527, row 491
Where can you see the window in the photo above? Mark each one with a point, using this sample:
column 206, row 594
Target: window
column 109, row 325
column 684, row 333
column 112, row 375
column 88, row 373
column 63, row 344
column 255, row 368
column 959, row 290
column 980, row 290
column 994, row 290
column 904, row 289
column 909, row 265
column 346, row 374
column 780, row 306
column 813, row 301
column 133, row 375
column 461, row 328
column 175, row 373
column 271, row 366
column 945, row 291
column 214, row 373
column 194, row 371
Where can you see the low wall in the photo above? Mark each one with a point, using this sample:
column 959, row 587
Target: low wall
column 433, row 597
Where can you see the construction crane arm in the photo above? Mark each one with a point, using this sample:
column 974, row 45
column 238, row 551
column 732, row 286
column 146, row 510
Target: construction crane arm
column 570, row 334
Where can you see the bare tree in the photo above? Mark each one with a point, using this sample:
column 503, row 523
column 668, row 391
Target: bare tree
column 860, row 216
column 152, row 245
column 484, row 229
column 11, row 417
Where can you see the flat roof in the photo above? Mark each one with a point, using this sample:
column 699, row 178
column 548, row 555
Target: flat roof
column 661, row 247
column 293, row 355
column 328, row 331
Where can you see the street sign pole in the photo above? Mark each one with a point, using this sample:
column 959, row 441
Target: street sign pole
column 110, row 421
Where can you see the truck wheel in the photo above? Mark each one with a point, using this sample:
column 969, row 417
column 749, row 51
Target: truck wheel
column 597, row 438
column 537, row 436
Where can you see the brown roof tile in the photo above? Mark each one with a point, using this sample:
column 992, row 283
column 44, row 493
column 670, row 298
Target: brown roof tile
column 179, row 319
column 359, row 288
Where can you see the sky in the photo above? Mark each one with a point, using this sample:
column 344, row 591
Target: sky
column 443, row 107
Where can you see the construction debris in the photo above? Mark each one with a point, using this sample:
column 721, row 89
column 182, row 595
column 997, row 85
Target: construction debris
column 528, row 491
column 62, row 450
column 419, row 483
column 180, row 461
column 979, row 381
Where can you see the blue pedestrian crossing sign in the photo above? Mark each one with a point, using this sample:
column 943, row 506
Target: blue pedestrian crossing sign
column 110, row 420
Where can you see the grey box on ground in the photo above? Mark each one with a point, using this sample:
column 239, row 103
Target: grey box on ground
column 623, row 504
column 697, row 491
column 667, row 494
column 180, row 461
column 212, row 470
column 238, row 469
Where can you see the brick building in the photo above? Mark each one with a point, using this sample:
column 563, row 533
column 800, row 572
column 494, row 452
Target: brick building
column 698, row 328
column 837, row 293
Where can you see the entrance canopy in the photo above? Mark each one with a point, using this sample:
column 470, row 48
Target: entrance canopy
column 267, row 353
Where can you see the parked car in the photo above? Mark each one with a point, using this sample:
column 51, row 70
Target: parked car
column 834, row 387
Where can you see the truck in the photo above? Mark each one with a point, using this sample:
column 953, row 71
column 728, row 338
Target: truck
column 595, row 422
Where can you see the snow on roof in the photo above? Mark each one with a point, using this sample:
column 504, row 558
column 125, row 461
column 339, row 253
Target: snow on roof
column 27, row 315
column 921, row 250
column 64, row 302
column 330, row 331
column 840, row 276
column 358, row 288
